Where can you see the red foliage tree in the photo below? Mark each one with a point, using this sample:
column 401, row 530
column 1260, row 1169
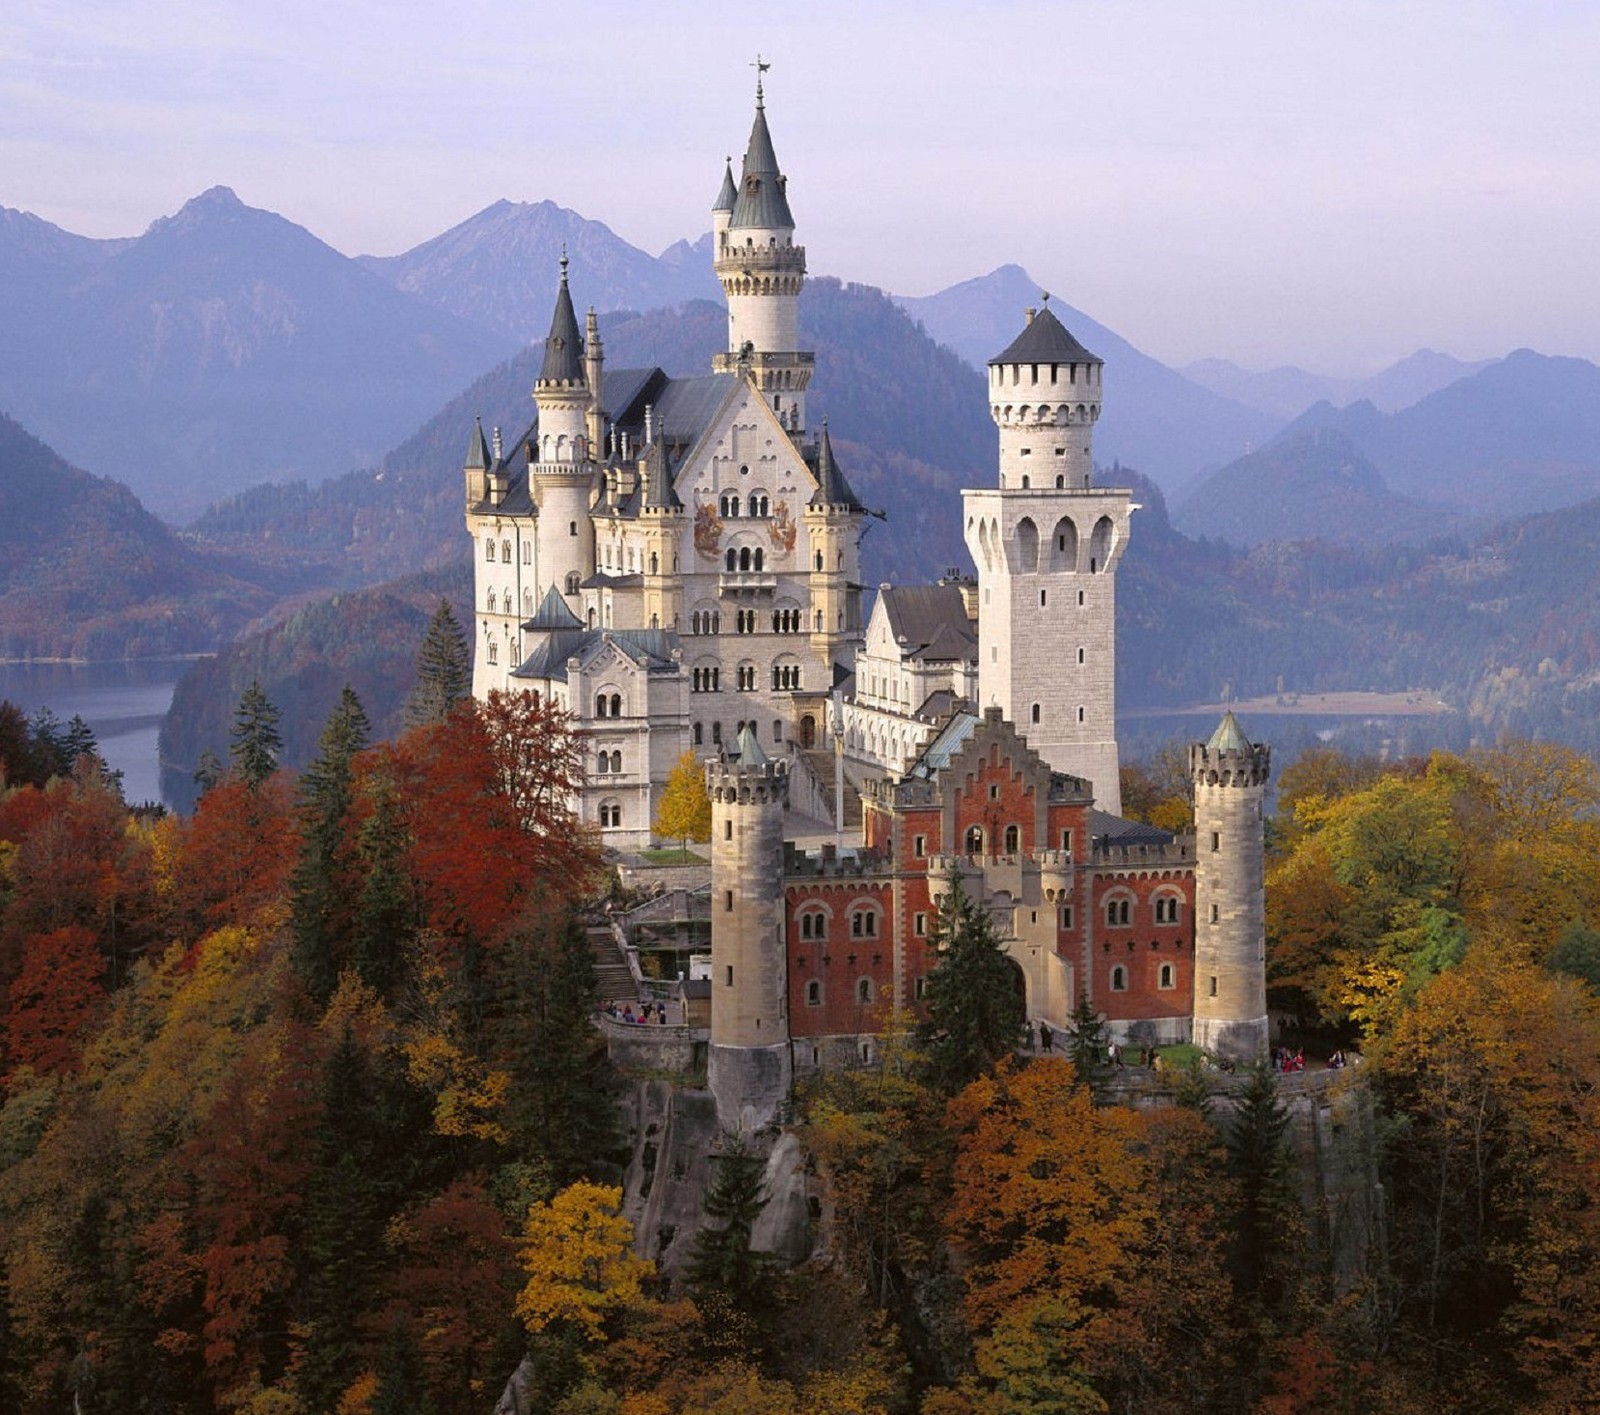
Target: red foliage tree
column 54, row 1001
column 236, row 854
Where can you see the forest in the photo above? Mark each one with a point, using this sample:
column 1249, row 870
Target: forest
column 305, row 1111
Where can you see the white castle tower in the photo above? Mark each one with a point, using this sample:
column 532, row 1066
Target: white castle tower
column 762, row 270
column 1047, row 544
column 750, row 1067
column 561, row 470
column 1230, row 927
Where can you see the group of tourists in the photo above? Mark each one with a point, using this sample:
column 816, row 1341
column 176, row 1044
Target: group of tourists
column 648, row 1012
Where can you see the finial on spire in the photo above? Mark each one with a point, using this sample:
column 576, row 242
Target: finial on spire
column 760, row 66
column 563, row 262
column 1044, row 297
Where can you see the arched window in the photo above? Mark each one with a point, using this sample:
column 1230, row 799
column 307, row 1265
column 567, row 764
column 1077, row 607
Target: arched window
column 864, row 991
column 813, row 925
column 758, row 557
column 600, row 704
column 610, row 815
column 573, row 581
column 488, row 549
column 1169, row 908
column 1013, row 839
column 1119, row 979
column 974, row 840
column 744, row 558
column 698, row 736
column 494, row 652
column 494, row 604
column 1035, row 713
column 655, row 563
column 1166, row 977
column 505, row 551
column 616, row 705
column 814, row 993
column 1118, row 912
column 733, row 558
column 819, row 560
column 864, row 923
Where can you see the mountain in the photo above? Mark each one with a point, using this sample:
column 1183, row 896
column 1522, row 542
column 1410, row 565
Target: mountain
column 223, row 347
column 1519, row 436
column 1153, row 418
column 1288, row 391
column 87, row 572
column 1313, row 483
column 497, row 269
column 910, row 424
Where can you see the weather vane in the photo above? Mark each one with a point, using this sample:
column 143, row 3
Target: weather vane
column 760, row 66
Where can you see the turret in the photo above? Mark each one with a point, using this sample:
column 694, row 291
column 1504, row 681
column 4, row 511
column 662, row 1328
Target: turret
column 722, row 208
column 660, row 529
column 594, row 371
column 476, row 468
column 1047, row 544
column 762, row 271
column 833, row 541
column 561, row 468
column 1230, row 968
column 749, row 1067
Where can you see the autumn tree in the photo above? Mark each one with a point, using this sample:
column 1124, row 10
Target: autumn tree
column 255, row 744
column 55, row 1000
column 577, row 1254
column 444, row 670
column 1158, row 791
column 974, row 994
column 684, row 812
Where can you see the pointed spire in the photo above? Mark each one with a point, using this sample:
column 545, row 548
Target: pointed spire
column 1229, row 736
column 729, row 194
column 659, row 493
column 762, row 202
column 478, row 448
column 750, row 753
column 553, row 613
column 563, row 350
column 832, row 488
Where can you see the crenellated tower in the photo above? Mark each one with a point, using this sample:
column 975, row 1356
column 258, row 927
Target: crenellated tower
column 750, row 1067
column 1047, row 543
column 561, row 460
column 1230, row 929
column 762, row 271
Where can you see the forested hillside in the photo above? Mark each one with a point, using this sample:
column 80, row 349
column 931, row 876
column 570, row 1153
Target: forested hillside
column 304, row 1110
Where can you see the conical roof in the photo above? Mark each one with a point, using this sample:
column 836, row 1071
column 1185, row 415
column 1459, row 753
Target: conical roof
column 1229, row 736
column 478, row 449
column 762, row 202
column 659, row 494
column 750, row 753
column 1045, row 340
column 563, row 350
column 832, row 488
column 553, row 613
column 729, row 193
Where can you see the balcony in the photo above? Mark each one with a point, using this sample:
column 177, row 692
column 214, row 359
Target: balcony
column 746, row 583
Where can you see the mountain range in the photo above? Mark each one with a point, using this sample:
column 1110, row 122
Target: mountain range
column 1286, row 392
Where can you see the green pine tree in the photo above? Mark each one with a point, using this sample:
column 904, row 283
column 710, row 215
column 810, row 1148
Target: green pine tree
column 1088, row 1045
column 444, row 670
column 402, row 1387
column 209, row 772
column 976, row 1013
column 1268, row 1223
column 319, row 897
column 723, row 1263
column 387, row 919
column 255, row 744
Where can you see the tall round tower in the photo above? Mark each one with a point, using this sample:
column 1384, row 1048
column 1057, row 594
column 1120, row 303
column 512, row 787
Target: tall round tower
column 1230, row 928
column 750, row 1067
column 1047, row 543
column 561, row 467
column 762, row 270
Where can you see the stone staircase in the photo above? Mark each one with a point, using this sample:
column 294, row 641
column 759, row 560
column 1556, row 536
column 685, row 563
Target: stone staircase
column 820, row 761
column 614, row 980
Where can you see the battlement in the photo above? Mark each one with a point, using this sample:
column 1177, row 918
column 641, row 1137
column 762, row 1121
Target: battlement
column 1230, row 766
column 732, row 261
column 1178, row 852
column 744, row 783
column 825, row 864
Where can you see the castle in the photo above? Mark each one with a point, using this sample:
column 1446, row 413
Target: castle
column 676, row 561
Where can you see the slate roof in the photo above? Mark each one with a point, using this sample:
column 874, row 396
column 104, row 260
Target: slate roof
column 657, row 493
column 750, row 753
column 762, row 202
column 1045, row 340
column 1117, row 830
column 563, row 349
column 553, row 614
column 729, row 193
column 650, row 648
column 947, row 741
column 478, row 449
column 930, row 623
column 832, row 487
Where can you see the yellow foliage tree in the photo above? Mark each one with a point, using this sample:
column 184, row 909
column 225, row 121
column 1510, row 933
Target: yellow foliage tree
column 577, row 1251
column 685, row 810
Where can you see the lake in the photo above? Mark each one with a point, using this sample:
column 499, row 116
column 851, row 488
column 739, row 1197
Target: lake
column 123, row 702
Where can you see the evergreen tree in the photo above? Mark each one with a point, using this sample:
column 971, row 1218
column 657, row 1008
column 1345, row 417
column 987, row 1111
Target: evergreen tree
column 49, row 745
column 976, row 1012
column 320, row 890
column 402, row 1387
column 388, row 914
column 723, row 1263
column 563, row 1103
column 1268, row 1222
column 255, row 744
column 1088, row 1045
column 78, row 741
column 444, row 670
column 209, row 772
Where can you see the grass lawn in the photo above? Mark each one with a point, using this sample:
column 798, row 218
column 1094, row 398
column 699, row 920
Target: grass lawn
column 676, row 855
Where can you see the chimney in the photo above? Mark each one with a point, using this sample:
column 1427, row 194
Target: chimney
column 1031, row 312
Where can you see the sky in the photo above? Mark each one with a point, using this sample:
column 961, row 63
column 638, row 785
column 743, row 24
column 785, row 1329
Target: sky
column 1332, row 185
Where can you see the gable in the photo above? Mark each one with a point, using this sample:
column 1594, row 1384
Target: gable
column 745, row 450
